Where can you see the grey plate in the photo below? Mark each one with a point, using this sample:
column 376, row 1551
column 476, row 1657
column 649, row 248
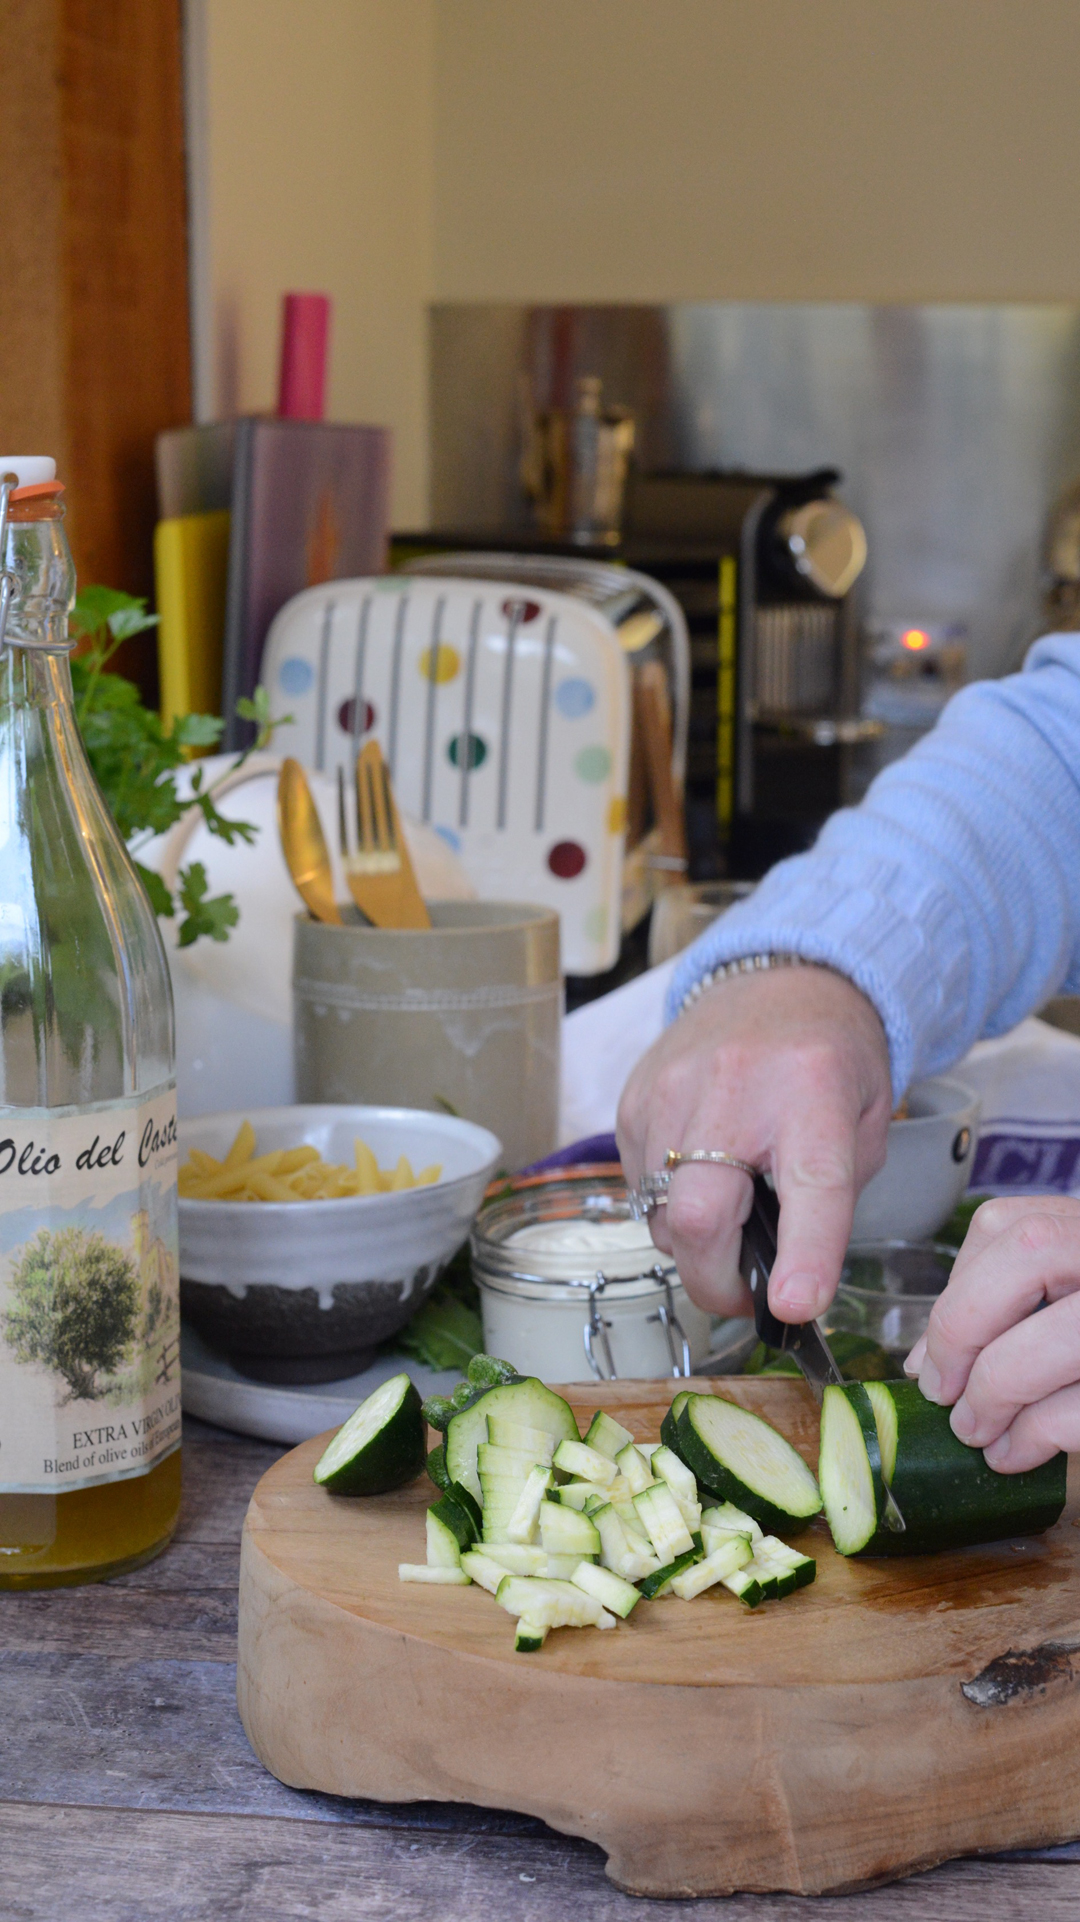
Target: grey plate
column 213, row 1390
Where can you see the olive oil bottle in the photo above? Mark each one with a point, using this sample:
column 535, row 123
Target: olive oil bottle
column 89, row 1290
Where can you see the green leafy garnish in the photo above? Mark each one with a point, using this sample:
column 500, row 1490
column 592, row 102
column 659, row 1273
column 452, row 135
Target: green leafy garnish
column 444, row 1333
column 135, row 759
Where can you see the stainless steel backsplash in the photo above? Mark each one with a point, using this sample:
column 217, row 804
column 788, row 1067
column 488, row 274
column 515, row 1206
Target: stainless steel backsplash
column 955, row 427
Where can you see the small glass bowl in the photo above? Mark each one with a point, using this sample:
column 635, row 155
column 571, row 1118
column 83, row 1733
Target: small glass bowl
column 887, row 1291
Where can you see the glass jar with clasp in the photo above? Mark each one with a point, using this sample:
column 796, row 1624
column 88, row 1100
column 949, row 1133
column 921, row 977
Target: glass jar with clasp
column 572, row 1287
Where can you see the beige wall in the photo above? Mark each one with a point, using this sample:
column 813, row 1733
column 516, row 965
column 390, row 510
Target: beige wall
column 608, row 150
column 399, row 151
column 317, row 124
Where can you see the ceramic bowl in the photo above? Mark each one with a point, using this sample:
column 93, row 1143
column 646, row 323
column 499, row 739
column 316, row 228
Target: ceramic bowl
column 306, row 1290
column 928, row 1166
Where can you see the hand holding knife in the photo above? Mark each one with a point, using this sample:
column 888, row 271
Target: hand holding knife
column 803, row 1341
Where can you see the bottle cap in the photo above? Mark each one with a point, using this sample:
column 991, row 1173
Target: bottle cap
column 31, row 469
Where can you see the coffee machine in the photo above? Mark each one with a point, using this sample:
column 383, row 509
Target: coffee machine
column 764, row 566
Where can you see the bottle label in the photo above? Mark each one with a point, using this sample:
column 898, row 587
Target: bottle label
column 89, row 1293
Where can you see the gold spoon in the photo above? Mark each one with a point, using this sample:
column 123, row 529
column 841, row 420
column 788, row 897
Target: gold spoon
column 304, row 844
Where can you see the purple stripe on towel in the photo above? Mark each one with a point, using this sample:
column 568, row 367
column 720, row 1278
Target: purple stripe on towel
column 593, row 1148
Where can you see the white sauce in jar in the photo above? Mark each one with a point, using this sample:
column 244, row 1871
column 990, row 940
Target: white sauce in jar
column 619, row 1246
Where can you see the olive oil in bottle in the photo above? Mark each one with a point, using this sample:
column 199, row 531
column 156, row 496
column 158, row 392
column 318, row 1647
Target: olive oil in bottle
column 89, row 1290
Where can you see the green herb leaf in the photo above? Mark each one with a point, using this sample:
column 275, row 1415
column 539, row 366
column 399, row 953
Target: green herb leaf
column 160, row 899
column 213, row 917
column 444, row 1333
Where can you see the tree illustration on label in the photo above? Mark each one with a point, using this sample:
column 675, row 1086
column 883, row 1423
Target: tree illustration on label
column 76, row 1301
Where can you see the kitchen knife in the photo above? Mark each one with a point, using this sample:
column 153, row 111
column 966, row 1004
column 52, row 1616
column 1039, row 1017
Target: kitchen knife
column 802, row 1340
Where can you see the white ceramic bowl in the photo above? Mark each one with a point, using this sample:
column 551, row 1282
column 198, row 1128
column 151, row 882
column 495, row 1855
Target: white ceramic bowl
column 305, row 1290
column 928, row 1166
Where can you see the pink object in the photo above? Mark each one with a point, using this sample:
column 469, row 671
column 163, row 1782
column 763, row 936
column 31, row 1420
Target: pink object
column 305, row 332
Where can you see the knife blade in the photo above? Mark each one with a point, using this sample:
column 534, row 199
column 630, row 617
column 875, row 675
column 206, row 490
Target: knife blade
column 804, row 1340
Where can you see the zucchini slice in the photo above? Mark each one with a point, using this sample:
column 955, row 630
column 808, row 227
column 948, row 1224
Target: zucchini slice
column 528, row 1403
column 607, row 1435
column 659, row 1582
column 420, row 1572
column 436, row 1468
column 534, row 1442
column 728, row 1517
column 483, row 1570
column 713, row 1568
column 633, row 1468
column 381, row 1446
column 740, row 1458
column 529, row 1636
column 516, row 1558
column 608, row 1588
column 947, row 1494
column 669, row 1427
column 586, row 1464
column 662, row 1517
column 849, row 1466
column 744, row 1583
column 564, row 1532
column 443, row 1546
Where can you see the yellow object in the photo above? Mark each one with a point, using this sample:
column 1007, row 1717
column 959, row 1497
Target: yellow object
column 304, row 844
column 293, row 1174
column 191, row 562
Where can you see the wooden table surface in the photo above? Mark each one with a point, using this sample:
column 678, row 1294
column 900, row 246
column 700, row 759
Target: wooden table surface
column 128, row 1792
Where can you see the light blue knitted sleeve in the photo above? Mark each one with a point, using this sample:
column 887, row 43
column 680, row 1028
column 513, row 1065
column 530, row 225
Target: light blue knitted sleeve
column 951, row 896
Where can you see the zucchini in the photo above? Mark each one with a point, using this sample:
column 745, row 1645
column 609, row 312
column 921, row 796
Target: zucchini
column 669, row 1427
column 534, row 1442
column 487, row 1371
column 472, row 1507
column 608, row 1588
column 740, row 1458
column 667, row 1467
column 564, row 1532
column 437, row 1410
column 733, row 1520
column 563, row 1568
column 529, row 1636
column 448, row 1518
column 522, row 1524
column 947, row 1494
column 517, row 1558
column 723, row 1561
column 607, row 1435
column 655, row 1585
column 495, row 1461
column 420, row 1572
column 436, row 1468
column 849, row 1465
column 484, row 1570
column 556, row 1604
column 633, row 1468
column 579, row 1494
column 443, row 1547
column 381, row 1446
column 575, row 1458
column 526, row 1402
column 662, row 1518
column 744, row 1583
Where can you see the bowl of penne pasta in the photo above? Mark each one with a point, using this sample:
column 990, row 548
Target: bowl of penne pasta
column 310, row 1234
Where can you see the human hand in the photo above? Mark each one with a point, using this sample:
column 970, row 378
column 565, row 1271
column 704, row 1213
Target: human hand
column 788, row 1069
column 1011, row 1376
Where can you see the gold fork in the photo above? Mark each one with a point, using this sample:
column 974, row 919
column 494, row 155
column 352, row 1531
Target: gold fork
column 378, row 870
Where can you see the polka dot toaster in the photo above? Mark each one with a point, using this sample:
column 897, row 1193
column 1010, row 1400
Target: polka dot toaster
column 504, row 715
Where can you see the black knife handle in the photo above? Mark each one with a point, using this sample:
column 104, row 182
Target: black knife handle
column 756, row 1260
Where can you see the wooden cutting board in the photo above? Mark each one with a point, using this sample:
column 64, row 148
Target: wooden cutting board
column 891, row 1715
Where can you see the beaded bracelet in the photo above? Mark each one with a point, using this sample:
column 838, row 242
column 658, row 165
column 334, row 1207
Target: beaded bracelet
column 746, row 964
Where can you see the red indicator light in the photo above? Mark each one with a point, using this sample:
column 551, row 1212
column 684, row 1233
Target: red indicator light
column 914, row 639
